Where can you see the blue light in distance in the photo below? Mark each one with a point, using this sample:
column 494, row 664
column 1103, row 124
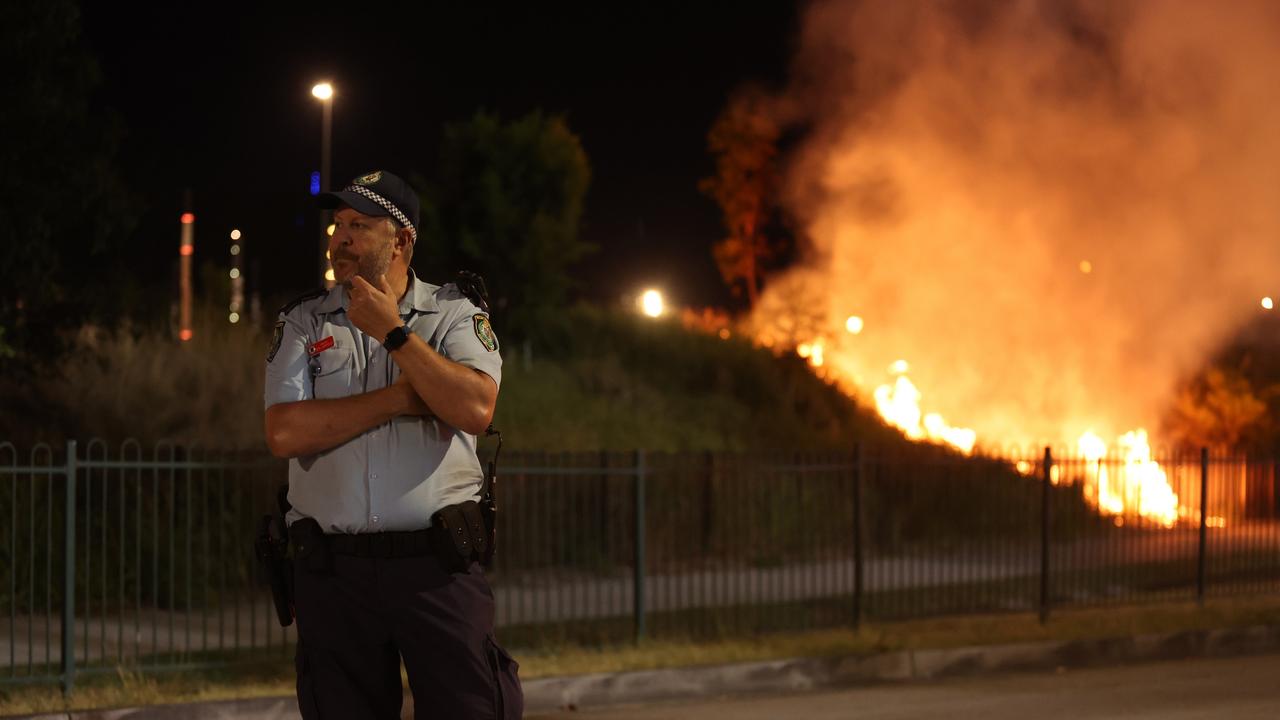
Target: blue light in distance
column 315, row 183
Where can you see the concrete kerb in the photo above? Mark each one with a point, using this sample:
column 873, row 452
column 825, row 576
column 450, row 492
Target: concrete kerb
column 773, row 676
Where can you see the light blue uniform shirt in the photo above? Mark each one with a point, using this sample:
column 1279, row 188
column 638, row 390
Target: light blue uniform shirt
column 396, row 475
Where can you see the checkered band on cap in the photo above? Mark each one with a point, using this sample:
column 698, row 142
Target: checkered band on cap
column 386, row 205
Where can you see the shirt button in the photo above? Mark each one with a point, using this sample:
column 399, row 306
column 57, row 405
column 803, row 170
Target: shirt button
column 374, row 519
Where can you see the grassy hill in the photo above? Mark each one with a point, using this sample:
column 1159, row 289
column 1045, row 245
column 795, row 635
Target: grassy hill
column 618, row 382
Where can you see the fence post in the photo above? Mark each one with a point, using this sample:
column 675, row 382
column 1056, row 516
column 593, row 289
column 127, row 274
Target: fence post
column 1044, row 536
column 1204, row 523
column 859, row 466
column 639, row 572
column 69, row 576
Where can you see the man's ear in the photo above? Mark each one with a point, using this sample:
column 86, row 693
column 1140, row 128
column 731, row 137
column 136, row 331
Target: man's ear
column 404, row 241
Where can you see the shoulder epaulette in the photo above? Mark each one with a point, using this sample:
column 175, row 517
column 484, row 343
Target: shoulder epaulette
column 289, row 306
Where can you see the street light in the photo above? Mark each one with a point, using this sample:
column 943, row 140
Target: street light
column 324, row 93
column 651, row 303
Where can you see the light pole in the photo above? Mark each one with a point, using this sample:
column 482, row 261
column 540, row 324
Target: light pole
column 324, row 93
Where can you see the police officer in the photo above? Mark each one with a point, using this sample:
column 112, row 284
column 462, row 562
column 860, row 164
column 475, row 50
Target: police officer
column 376, row 391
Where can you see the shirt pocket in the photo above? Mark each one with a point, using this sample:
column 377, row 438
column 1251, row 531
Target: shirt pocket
column 334, row 370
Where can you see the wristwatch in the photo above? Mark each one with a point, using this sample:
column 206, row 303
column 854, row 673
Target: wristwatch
column 396, row 338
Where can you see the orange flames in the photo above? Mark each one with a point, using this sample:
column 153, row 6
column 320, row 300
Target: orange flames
column 899, row 405
column 1133, row 483
column 1126, row 482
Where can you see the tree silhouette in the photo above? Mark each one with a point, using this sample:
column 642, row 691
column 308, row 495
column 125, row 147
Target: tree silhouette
column 744, row 141
column 506, row 201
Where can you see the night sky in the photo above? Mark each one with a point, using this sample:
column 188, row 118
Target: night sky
column 217, row 99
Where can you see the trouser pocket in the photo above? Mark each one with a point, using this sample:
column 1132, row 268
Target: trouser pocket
column 508, row 697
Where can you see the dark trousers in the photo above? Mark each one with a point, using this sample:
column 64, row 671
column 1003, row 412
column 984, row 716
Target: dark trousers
column 356, row 622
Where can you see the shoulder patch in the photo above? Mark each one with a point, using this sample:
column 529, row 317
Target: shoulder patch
column 310, row 294
column 484, row 332
column 276, row 337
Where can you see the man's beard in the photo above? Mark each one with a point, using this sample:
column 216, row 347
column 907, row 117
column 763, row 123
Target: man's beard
column 372, row 267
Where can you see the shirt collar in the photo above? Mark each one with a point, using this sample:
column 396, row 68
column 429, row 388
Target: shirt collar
column 333, row 302
column 418, row 296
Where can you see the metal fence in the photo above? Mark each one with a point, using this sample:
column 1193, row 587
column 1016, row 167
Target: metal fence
column 116, row 557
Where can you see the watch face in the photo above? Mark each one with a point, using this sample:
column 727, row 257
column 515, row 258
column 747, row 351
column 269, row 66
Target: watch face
column 396, row 338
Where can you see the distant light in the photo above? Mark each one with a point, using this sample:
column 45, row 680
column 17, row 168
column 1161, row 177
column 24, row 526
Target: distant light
column 185, row 334
column 724, row 333
column 853, row 324
column 1267, row 303
column 315, row 183
column 651, row 303
column 329, row 230
column 186, row 249
column 234, row 318
column 326, row 254
column 188, row 218
column 899, row 367
column 804, row 350
column 235, row 234
column 328, row 275
column 1086, row 267
column 235, row 249
column 235, row 273
column 322, row 91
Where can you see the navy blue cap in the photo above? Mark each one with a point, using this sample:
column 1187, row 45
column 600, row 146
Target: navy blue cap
column 378, row 193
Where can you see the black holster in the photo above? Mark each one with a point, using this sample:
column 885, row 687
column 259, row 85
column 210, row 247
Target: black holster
column 465, row 538
column 271, row 547
column 310, row 548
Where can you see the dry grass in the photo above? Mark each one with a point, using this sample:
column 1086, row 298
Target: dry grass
column 929, row 633
column 128, row 688
column 142, row 384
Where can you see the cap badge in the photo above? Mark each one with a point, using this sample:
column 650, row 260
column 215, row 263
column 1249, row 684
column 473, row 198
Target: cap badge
column 370, row 179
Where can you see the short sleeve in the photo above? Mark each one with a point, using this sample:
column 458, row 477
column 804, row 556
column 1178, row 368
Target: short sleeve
column 470, row 341
column 287, row 363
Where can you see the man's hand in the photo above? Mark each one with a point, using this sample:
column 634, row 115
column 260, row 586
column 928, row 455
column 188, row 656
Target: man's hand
column 412, row 400
column 373, row 309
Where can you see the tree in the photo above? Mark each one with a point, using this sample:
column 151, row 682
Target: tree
column 1218, row 408
column 744, row 141
column 506, row 201
column 61, row 206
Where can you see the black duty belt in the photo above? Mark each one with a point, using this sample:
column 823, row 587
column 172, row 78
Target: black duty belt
column 396, row 544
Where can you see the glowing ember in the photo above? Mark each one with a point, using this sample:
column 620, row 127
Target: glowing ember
column 853, row 324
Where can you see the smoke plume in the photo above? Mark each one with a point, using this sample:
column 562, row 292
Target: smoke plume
column 1053, row 211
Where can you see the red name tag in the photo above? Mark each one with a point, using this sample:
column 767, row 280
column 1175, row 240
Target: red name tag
column 320, row 346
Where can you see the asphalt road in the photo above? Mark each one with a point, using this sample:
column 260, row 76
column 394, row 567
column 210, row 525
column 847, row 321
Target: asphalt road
column 1235, row 688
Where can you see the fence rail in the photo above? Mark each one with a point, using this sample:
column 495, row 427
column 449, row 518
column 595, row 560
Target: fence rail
column 123, row 557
